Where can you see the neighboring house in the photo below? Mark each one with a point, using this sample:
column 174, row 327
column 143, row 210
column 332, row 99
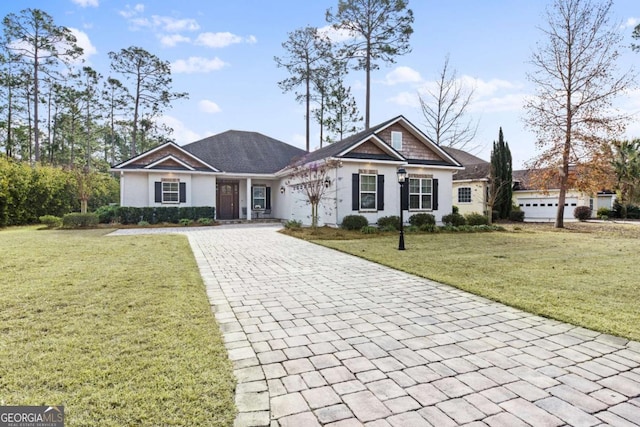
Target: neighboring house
column 542, row 205
column 471, row 185
column 471, row 192
column 247, row 175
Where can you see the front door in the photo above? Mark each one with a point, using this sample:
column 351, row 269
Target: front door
column 227, row 200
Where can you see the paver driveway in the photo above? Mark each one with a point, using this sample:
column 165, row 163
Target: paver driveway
column 318, row 337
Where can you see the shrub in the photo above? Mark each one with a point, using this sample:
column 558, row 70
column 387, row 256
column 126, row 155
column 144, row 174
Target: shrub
column 422, row 219
column 625, row 211
column 79, row 220
column 454, row 219
column 455, row 209
column 292, row 224
column 143, row 223
column 186, row 221
column 475, row 218
column 428, row 228
column 582, row 213
column 107, row 214
column 412, row 229
column 516, row 215
column 389, row 223
column 389, row 228
column 603, row 213
column 51, row 221
column 354, row 222
column 369, row 229
column 171, row 214
column 205, row 221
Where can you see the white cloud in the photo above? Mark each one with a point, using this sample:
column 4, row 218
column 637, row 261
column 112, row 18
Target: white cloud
column 181, row 133
column 630, row 22
column 130, row 11
column 173, row 39
column 336, row 36
column 197, row 64
column 508, row 102
column 402, row 75
column 85, row 3
column 209, row 106
column 173, row 25
column 405, row 99
column 225, row 39
column 82, row 40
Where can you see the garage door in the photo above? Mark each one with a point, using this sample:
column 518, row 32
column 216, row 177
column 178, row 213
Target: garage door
column 545, row 208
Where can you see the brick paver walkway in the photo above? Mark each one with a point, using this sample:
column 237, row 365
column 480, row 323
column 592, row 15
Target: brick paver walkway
column 318, row 337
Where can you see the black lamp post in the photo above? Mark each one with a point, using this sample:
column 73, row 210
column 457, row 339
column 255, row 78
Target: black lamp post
column 402, row 177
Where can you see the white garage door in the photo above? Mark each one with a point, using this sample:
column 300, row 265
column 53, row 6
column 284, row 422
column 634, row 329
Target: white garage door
column 545, row 208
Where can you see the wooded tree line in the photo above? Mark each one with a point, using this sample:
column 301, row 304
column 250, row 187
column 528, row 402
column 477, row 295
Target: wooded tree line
column 56, row 111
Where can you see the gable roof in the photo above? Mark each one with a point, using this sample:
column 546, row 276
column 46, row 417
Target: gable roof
column 168, row 156
column 244, row 152
column 343, row 148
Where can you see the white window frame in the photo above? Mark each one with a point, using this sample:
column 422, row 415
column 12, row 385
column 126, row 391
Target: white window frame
column 257, row 205
column 369, row 192
column 468, row 191
column 396, row 140
column 420, row 194
column 170, row 190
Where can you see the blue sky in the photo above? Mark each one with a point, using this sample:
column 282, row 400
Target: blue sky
column 222, row 55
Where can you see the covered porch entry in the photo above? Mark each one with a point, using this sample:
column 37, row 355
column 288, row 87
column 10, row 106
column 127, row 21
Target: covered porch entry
column 243, row 199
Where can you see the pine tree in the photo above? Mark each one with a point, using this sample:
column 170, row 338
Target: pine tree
column 501, row 176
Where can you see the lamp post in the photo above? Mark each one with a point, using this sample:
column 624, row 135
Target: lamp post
column 402, row 177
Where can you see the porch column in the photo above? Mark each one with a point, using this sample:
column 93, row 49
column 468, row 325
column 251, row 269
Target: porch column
column 215, row 196
column 249, row 207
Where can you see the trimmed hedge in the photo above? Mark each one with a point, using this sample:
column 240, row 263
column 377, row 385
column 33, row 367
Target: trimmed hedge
column 79, row 220
column 475, row 218
column 454, row 219
column 582, row 213
column 421, row 219
column 154, row 215
column 389, row 222
column 354, row 222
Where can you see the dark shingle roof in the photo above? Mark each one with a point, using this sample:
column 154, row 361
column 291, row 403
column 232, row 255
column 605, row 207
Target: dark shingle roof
column 463, row 157
column 332, row 150
column 244, row 152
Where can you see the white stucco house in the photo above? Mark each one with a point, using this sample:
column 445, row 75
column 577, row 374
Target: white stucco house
column 471, row 192
column 247, row 175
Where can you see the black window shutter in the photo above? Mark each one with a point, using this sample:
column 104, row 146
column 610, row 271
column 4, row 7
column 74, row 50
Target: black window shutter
column 267, row 203
column 380, row 192
column 435, row 195
column 158, row 192
column 252, row 204
column 404, row 197
column 355, row 192
column 183, row 192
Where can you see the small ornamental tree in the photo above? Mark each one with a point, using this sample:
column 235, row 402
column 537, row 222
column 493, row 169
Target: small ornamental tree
column 313, row 181
column 500, row 190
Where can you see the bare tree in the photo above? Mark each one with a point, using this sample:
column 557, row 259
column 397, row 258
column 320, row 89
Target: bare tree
column 576, row 82
column 445, row 109
column 312, row 180
column 381, row 30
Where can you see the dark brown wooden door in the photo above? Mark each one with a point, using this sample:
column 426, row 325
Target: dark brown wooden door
column 227, row 200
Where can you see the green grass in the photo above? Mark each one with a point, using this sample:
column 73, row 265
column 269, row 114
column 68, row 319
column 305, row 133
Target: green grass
column 116, row 329
column 588, row 277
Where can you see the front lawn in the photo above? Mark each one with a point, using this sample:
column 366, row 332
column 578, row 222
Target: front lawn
column 116, row 329
column 587, row 275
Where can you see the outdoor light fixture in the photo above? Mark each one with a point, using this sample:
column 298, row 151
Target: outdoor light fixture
column 402, row 177
column 327, row 182
column 282, row 189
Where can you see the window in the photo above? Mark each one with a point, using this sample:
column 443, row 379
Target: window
column 368, row 190
column 170, row 191
column 420, row 193
column 259, row 197
column 396, row 140
column 464, row 195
